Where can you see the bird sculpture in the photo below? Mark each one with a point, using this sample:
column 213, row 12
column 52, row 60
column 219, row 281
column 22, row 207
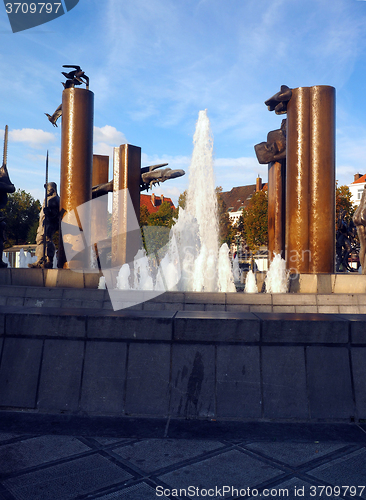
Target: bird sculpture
column 77, row 75
column 56, row 115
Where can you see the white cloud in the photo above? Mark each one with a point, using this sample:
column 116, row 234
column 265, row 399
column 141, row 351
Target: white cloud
column 36, row 138
column 109, row 135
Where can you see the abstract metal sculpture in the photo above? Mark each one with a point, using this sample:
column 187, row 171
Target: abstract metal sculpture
column 149, row 177
column 275, row 147
column 278, row 102
column 359, row 220
column 75, row 77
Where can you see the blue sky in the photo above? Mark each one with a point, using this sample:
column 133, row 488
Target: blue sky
column 153, row 64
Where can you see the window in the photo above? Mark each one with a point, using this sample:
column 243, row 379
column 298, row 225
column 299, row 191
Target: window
column 359, row 194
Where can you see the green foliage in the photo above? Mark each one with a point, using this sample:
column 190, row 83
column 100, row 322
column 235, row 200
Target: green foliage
column 253, row 222
column 343, row 202
column 226, row 230
column 21, row 215
column 156, row 226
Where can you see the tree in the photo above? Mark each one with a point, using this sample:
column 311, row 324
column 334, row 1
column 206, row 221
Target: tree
column 156, row 226
column 226, row 230
column 343, row 202
column 21, row 216
column 254, row 221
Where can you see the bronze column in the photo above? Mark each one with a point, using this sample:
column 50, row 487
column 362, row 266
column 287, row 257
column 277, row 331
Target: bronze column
column 76, row 164
column 126, row 236
column 322, row 180
column 99, row 215
column 297, row 180
column 276, row 208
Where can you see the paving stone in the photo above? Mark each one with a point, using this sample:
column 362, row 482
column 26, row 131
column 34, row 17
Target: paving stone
column 166, row 297
column 249, row 298
column 328, row 309
column 284, row 382
column 36, row 451
column 237, row 307
column 153, row 454
column 216, row 325
column 193, row 381
column 336, row 299
column 19, row 371
column 61, row 375
column 204, row 298
column 83, row 294
column 5, row 276
column 39, row 323
column 103, row 377
column 297, row 487
column 15, row 301
column 144, row 325
column 294, row 299
column 68, row 480
column 306, row 309
column 358, row 328
column 359, row 379
column 355, row 309
column 344, row 471
column 42, row 302
column 231, row 468
column 307, row 328
column 294, row 454
column 329, row 382
column 238, row 382
column 140, row 491
column 284, row 309
column 194, row 307
column 260, row 309
column 148, row 379
column 43, row 292
column 12, row 291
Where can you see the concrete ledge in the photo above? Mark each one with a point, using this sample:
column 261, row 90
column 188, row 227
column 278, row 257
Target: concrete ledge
column 196, row 365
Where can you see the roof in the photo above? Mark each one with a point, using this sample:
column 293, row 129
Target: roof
column 361, row 179
column 153, row 202
column 239, row 196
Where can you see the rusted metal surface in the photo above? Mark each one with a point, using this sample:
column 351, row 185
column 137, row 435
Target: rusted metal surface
column 310, row 180
column 126, row 179
column 76, row 159
column 276, row 208
column 297, row 180
column 99, row 214
column 322, row 180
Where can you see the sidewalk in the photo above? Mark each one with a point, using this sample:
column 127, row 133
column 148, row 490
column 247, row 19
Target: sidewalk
column 77, row 458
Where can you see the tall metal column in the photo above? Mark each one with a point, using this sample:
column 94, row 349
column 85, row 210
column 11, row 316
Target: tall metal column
column 276, row 208
column 297, row 180
column 99, row 209
column 322, row 179
column 126, row 237
column 76, row 163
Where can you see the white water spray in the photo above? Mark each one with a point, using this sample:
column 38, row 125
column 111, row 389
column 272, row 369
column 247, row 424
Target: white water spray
column 250, row 283
column 277, row 278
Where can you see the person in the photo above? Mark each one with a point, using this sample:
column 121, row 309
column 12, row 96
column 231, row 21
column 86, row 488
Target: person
column 48, row 225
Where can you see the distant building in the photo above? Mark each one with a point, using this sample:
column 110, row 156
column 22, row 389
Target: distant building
column 357, row 187
column 153, row 202
column 239, row 197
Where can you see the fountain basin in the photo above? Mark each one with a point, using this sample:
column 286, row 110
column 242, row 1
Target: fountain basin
column 207, row 365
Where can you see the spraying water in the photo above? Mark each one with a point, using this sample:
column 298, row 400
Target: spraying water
column 277, row 276
column 250, row 283
column 192, row 261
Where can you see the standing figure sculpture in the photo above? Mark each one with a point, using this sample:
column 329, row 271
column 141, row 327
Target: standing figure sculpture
column 359, row 220
column 48, row 225
column 344, row 240
column 6, row 187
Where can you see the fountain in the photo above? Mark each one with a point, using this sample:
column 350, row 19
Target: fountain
column 277, row 278
column 192, row 260
column 250, row 283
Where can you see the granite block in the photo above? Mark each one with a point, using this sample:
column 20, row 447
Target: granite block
column 238, row 382
column 43, row 292
column 41, row 323
column 204, row 298
column 306, row 309
column 237, row 307
column 19, row 371
column 193, row 381
column 59, row 387
column 328, row 309
column 15, row 301
column 103, row 377
column 66, row 278
column 358, row 328
column 350, row 283
column 148, row 375
column 83, row 294
column 91, row 280
column 329, row 383
column 211, row 326
column 27, row 277
column 336, row 299
column 42, row 302
column 359, row 379
column 284, row 309
column 12, row 291
column 284, row 382
column 307, row 328
column 249, row 298
column 260, row 308
column 50, row 277
column 5, row 276
column 294, row 299
column 140, row 325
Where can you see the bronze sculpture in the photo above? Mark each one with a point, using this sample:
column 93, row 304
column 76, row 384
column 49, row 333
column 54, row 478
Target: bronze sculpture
column 278, row 102
column 75, row 77
column 56, row 115
column 149, row 177
column 359, row 220
column 345, row 243
column 275, row 147
column 6, row 187
column 48, row 225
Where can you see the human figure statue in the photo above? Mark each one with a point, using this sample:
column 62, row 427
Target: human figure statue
column 343, row 243
column 48, row 225
column 359, row 220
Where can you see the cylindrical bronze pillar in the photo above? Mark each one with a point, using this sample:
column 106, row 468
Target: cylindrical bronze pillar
column 126, row 236
column 76, row 167
column 322, row 180
column 276, row 208
column 297, row 180
column 99, row 211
